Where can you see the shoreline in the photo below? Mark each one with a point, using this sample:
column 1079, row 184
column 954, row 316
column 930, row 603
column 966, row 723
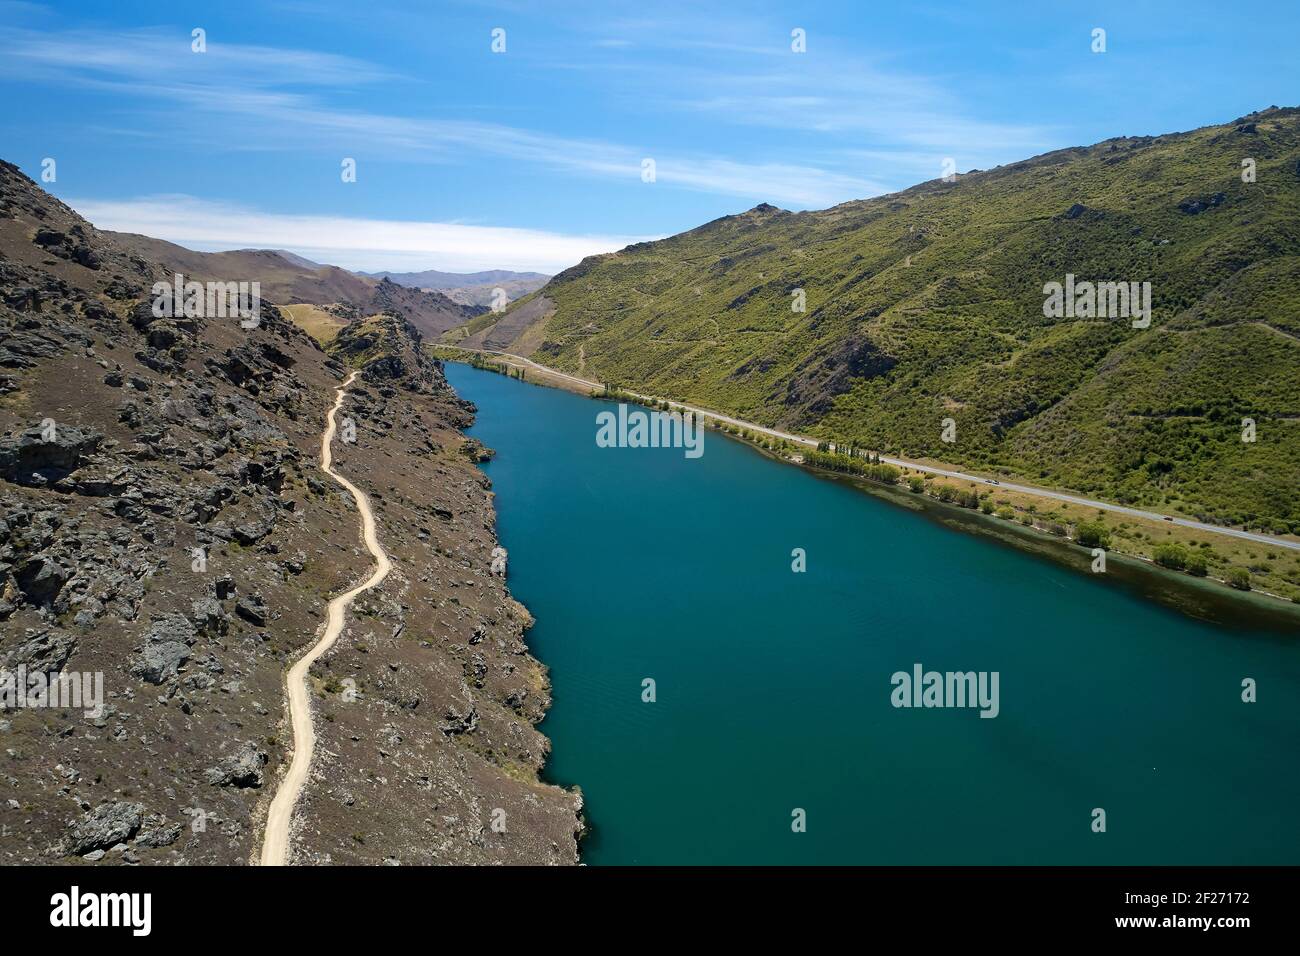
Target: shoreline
column 583, row 827
column 1206, row 598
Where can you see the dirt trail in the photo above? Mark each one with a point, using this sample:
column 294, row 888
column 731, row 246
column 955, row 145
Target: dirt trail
column 275, row 844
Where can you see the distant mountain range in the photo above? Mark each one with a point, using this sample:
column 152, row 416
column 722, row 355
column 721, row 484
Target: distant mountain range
column 883, row 321
column 469, row 288
column 433, row 279
column 290, row 279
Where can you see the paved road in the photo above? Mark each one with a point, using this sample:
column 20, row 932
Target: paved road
column 903, row 463
column 275, row 844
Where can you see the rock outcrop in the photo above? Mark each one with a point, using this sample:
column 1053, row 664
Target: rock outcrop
column 163, row 524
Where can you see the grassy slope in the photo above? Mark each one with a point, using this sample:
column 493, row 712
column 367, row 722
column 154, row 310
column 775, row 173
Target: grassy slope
column 321, row 325
column 887, row 349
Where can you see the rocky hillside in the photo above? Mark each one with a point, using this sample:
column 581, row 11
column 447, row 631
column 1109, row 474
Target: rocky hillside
column 289, row 279
column 166, row 531
column 928, row 304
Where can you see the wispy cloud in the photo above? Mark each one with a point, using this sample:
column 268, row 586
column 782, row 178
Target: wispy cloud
column 854, row 102
column 370, row 245
column 275, row 94
column 145, row 55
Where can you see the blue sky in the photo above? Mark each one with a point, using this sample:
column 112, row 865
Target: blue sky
column 531, row 158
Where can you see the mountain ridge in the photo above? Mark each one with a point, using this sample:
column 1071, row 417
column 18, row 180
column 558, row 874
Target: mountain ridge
column 290, row 279
column 927, row 305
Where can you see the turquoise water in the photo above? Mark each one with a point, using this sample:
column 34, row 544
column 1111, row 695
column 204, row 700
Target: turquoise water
column 773, row 687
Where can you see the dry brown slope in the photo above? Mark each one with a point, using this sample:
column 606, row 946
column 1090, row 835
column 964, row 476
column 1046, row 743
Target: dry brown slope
column 176, row 435
column 288, row 280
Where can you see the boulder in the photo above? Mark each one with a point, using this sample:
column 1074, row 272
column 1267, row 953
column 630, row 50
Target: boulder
column 166, row 648
column 46, row 651
column 41, row 578
column 241, row 769
column 157, row 832
column 209, row 617
column 105, row 826
column 252, row 610
column 1193, row 206
column 38, row 456
column 460, row 723
column 252, row 532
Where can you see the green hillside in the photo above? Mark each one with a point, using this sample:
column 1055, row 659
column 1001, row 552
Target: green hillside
column 929, row 304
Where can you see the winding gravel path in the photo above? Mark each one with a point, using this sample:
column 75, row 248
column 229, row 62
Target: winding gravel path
column 275, row 844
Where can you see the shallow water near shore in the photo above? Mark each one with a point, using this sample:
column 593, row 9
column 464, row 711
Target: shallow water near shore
column 773, row 687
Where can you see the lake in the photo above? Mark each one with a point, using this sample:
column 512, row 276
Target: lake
column 772, row 688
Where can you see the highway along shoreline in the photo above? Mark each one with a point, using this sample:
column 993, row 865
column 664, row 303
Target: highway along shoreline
column 1033, row 520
